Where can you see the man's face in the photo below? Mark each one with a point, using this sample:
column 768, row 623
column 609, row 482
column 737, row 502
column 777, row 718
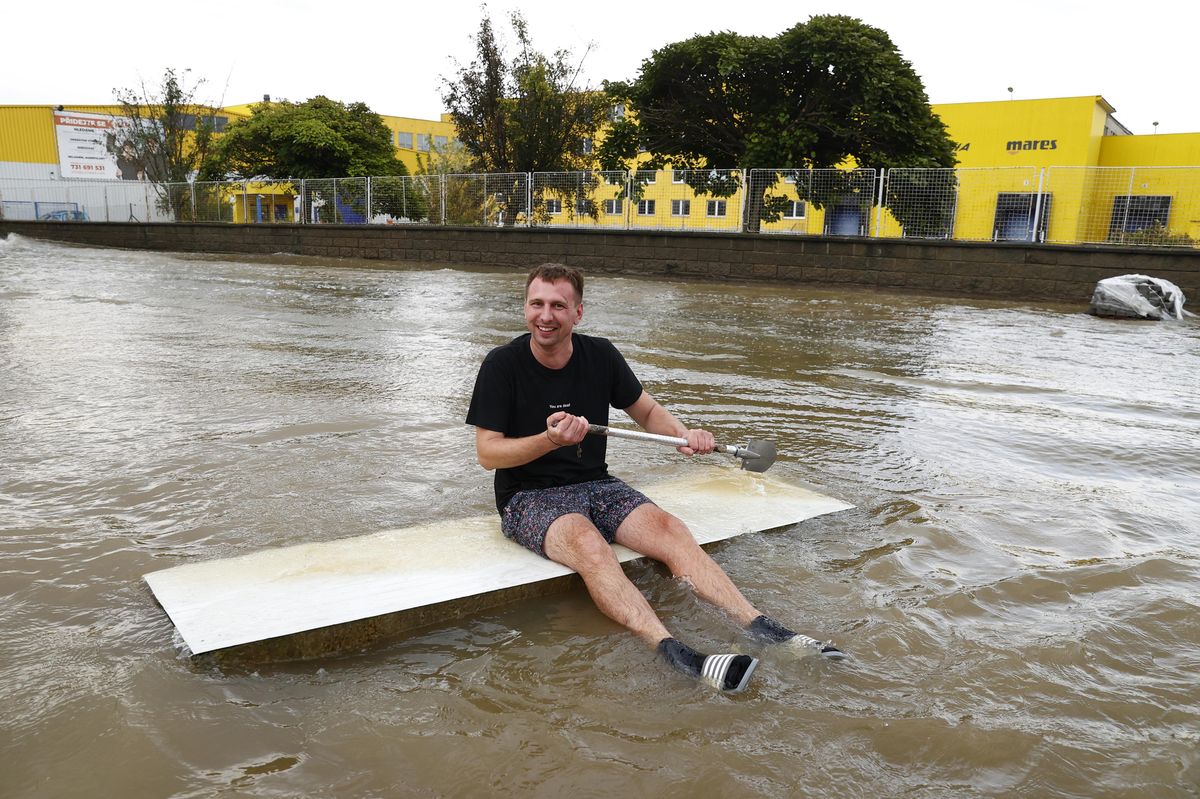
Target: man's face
column 551, row 311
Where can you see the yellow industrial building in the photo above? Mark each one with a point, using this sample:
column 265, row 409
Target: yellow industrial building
column 1060, row 169
column 1093, row 172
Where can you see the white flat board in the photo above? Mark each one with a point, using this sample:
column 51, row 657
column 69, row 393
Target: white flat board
column 277, row 592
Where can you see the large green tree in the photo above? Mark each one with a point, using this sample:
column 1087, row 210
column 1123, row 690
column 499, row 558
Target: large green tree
column 824, row 91
column 530, row 114
column 319, row 138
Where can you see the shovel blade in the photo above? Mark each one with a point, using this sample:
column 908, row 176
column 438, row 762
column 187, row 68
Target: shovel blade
column 763, row 456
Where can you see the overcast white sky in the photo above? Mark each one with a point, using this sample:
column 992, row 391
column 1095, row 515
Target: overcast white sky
column 392, row 55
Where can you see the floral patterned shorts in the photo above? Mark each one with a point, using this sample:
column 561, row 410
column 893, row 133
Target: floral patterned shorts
column 529, row 514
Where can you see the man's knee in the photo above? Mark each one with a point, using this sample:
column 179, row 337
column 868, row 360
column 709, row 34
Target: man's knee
column 654, row 532
column 668, row 525
column 574, row 541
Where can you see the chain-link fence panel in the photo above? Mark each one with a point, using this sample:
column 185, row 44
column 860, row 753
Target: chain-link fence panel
column 970, row 204
column 350, row 201
column 833, row 202
column 1090, row 195
column 844, row 198
column 998, row 204
column 128, row 201
column 132, row 201
column 402, row 199
column 594, row 199
column 1162, row 209
column 465, row 200
column 215, row 200
column 918, row 203
column 257, row 203
column 500, row 199
column 334, row 201
column 318, row 201
column 175, row 202
column 431, row 189
column 1151, row 206
column 777, row 201
column 686, row 199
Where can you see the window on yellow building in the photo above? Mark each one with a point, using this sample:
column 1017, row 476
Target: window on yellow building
column 554, row 206
column 404, row 141
column 794, row 210
column 612, row 206
column 1132, row 213
column 681, row 207
column 585, row 146
column 645, row 207
column 1015, row 213
column 846, row 218
column 423, row 142
column 716, row 208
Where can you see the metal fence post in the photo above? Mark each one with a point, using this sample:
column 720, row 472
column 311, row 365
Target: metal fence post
column 1128, row 205
column 628, row 198
column 528, row 199
column 1038, row 205
column 883, row 178
column 744, row 205
column 367, row 215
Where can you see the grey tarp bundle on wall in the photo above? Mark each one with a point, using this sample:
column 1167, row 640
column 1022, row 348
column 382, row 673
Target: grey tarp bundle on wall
column 1137, row 297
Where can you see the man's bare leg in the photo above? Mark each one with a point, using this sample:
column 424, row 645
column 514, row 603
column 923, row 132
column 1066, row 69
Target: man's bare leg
column 573, row 541
column 657, row 534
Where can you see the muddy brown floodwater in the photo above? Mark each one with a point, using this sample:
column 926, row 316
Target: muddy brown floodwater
column 1017, row 585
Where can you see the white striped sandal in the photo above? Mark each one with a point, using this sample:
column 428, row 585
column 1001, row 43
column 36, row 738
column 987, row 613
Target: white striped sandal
column 727, row 672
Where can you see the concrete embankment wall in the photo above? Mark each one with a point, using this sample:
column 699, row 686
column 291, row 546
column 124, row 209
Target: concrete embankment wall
column 1002, row 270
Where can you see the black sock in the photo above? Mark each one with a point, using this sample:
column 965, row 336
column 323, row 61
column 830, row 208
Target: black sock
column 767, row 628
column 681, row 656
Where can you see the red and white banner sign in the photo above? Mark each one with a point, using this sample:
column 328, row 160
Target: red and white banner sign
column 89, row 146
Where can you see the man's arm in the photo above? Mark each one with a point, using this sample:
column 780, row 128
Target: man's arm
column 654, row 418
column 498, row 451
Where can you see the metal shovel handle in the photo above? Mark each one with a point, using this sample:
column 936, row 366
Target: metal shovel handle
column 756, row 456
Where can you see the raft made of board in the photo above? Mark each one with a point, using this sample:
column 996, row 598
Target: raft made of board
column 286, row 591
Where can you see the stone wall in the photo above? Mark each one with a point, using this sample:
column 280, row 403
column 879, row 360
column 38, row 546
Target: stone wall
column 976, row 269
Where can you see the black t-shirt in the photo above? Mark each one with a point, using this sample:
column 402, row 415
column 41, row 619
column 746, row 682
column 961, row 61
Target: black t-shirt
column 514, row 394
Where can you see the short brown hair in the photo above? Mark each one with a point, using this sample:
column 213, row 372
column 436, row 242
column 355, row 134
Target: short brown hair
column 553, row 272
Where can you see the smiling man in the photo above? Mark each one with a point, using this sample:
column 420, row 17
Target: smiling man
column 533, row 400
